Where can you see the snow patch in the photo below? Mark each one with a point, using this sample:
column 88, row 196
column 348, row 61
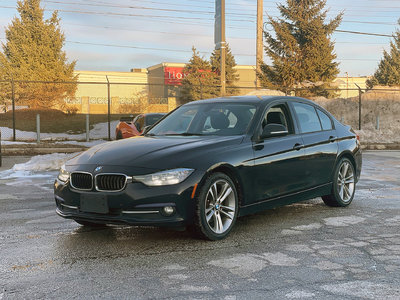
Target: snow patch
column 280, row 259
column 299, row 295
column 242, row 264
column 393, row 221
column 174, row 267
column 308, row 227
column 364, row 289
column 192, row 288
column 36, row 165
column 343, row 221
column 178, row 277
column 299, row 248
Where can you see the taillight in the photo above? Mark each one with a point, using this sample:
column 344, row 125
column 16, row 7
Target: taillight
column 357, row 137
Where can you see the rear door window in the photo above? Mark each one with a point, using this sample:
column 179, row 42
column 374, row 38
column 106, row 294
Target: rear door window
column 308, row 118
column 325, row 120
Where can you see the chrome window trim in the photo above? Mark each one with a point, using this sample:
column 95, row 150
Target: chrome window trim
column 81, row 172
column 127, row 178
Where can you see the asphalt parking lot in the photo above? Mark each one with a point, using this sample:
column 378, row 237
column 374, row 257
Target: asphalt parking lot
column 302, row 251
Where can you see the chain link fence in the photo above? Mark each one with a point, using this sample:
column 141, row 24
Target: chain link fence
column 84, row 111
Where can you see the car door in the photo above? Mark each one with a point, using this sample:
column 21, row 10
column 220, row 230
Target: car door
column 320, row 146
column 278, row 160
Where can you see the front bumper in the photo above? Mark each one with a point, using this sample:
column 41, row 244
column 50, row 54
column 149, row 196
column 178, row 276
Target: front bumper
column 137, row 204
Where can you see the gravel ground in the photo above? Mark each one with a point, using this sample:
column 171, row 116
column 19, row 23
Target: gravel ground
column 302, row 251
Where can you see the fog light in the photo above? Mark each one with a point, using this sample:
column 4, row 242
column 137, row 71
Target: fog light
column 168, row 210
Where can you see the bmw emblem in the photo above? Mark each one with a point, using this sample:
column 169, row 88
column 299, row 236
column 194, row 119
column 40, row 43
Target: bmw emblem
column 98, row 169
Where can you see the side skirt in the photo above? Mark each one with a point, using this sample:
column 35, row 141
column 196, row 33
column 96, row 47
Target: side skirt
column 285, row 200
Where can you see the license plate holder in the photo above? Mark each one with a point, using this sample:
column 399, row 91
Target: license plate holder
column 94, row 203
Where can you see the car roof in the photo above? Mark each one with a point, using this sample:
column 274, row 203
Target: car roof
column 249, row 99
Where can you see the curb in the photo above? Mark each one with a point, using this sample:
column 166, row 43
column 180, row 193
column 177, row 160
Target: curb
column 381, row 146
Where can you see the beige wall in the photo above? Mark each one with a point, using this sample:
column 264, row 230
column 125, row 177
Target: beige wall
column 247, row 78
column 348, row 87
column 92, row 94
column 147, row 91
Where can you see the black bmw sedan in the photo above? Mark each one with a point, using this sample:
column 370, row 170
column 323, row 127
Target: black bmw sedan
column 210, row 161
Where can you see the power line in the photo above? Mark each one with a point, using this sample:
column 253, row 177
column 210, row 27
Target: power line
column 364, row 33
column 180, row 17
column 108, row 4
column 183, row 51
column 187, row 51
column 210, row 36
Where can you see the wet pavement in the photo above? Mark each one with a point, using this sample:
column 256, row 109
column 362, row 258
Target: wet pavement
column 301, row 251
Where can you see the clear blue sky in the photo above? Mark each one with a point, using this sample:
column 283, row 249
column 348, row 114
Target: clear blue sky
column 142, row 27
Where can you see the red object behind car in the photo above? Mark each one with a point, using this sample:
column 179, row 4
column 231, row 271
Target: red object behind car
column 129, row 126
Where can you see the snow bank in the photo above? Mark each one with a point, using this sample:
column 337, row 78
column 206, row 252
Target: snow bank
column 37, row 166
column 99, row 131
column 16, row 143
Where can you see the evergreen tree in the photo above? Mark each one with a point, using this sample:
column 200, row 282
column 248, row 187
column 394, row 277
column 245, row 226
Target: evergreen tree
column 200, row 82
column 33, row 51
column 230, row 73
column 301, row 51
column 388, row 72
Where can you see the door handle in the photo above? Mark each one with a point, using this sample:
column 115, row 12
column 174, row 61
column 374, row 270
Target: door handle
column 298, row 146
column 332, row 138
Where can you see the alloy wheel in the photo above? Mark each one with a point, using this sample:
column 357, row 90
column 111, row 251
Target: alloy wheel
column 220, row 206
column 345, row 181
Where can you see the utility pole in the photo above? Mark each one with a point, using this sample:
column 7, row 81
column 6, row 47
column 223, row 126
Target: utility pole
column 13, row 106
column 259, row 41
column 219, row 39
column 223, row 49
column 109, row 108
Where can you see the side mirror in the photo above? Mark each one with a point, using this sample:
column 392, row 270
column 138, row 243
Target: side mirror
column 272, row 129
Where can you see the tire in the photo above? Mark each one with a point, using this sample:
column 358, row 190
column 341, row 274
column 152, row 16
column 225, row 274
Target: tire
column 89, row 224
column 119, row 135
column 216, row 208
column 344, row 185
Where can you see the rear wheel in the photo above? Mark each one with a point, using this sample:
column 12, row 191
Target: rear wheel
column 217, row 207
column 344, row 185
column 119, row 135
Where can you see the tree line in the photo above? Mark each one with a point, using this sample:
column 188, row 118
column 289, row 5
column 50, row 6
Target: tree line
column 299, row 46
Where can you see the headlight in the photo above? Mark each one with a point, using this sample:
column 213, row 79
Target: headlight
column 63, row 175
column 165, row 177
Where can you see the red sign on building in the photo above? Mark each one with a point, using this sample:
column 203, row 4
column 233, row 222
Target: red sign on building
column 173, row 75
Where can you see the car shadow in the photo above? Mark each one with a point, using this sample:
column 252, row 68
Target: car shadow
column 122, row 241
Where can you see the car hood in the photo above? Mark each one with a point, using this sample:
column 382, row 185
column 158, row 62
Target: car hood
column 153, row 152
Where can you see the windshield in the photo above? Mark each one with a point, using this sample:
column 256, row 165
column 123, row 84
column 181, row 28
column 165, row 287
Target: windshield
column 222, row 119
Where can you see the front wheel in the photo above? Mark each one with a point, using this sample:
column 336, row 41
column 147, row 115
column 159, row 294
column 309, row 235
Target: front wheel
column 119, row 135
column 344, row 185
column 217, row 207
